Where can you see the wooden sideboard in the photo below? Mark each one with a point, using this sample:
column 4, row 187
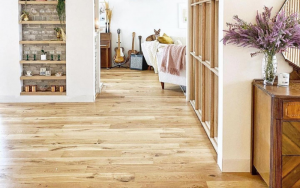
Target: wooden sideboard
column 105, row 44
column 276, row 134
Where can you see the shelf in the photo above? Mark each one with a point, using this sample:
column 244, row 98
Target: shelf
column 42, row 62
column 43, row 93
column 41, row 22
column 38, row 2
column 43, row 78
column 43, row 42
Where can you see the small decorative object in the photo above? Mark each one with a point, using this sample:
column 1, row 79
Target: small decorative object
column 53, row 88
column 27, row 89
column 58, row 34
column 58, row 74
column 34, row 55
column 58, row 55
column 33, row 88
column 27, row 55
column 108, row 14
column 43, row 71
column 44, row 55
column 24, row 16
column 43, row 88
column 48, row 73
column 269, row 35
column 28, row 73
column 61, row 11
column 284, row 79
column 61, row 89
column 52, row 55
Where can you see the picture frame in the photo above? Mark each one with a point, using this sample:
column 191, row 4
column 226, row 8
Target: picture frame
column 48, row 73
column 182, row 15
column 102, row 17
column 43, row 71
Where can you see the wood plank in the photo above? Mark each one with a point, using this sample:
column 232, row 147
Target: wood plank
column 42, row 62
column 38, row 2
column 41, row 22
column 43, row 77
column 43, row 42
column 42, row 93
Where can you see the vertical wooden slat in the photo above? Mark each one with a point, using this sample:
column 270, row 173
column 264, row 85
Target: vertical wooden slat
column 212, row 76
column 197, row 77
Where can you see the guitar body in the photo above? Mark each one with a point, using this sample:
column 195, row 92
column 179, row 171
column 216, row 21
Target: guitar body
column 132, row 51
column 119, row 57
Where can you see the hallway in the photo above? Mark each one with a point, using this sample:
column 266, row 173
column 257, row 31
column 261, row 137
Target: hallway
column 135, row 135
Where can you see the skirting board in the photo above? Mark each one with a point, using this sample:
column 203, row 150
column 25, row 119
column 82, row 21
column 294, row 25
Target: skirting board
column 46, row 99
column 236, row 165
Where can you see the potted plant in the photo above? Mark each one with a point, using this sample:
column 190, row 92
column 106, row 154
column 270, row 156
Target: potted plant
column 269, row 35
column 44, row 55
column 61, row 10
column 24, row 16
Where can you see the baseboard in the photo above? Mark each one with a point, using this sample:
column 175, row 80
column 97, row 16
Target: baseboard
column 236, row 165
column 46, row 99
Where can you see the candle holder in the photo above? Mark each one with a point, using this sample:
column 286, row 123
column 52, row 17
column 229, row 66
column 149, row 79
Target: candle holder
column 27, row 55
column 34, row 55
column 58, row 57
column 52, row 56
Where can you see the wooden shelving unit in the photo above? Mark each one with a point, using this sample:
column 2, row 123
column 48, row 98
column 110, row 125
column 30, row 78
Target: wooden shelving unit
column 42, row 93
column 42, row 62
column 36, row 78
column 41, row 22
column 38, row 2
column 43, row 42
column 43, row 78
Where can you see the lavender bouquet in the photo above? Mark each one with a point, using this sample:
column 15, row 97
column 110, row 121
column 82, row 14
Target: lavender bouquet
column 269, row 35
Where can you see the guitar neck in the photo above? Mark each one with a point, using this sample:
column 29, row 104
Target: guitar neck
column 119, row 41
column 132, row 43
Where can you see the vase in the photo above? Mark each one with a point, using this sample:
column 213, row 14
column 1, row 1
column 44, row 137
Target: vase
column 269, row 68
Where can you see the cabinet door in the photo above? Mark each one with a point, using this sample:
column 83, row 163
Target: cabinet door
column 291, row 138
column 290, row 171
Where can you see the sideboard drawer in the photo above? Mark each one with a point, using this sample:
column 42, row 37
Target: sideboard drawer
column 290, row 171
column 291, row 110
column 291, row 138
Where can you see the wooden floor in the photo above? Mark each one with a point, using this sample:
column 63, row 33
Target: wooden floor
column 135, row 136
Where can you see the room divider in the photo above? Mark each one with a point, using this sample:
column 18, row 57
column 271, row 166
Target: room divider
column 203, row 62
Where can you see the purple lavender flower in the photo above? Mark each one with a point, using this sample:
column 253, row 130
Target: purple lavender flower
column 268, row 35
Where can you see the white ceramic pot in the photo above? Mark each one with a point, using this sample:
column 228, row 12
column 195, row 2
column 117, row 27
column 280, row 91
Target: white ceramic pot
column 43, row 57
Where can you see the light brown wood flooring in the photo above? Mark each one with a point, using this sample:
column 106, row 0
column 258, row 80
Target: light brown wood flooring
column 135, row 136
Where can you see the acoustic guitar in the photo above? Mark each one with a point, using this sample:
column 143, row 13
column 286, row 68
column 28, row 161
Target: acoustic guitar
column 132, row 51
column 119, row 57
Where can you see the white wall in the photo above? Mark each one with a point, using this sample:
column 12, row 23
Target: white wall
column 239, row 71
column 80, row 54
column 142, row 17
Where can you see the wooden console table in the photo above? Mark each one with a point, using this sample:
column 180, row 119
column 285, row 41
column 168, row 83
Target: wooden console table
column 105, row 44
column 276, row 134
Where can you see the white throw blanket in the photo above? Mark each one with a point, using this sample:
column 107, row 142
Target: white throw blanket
column 150, row 50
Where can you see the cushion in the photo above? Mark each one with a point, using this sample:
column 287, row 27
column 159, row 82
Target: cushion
column 165, row 39
column 178, row 42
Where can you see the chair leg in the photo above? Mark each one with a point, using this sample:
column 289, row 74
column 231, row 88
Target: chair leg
column 162, row 85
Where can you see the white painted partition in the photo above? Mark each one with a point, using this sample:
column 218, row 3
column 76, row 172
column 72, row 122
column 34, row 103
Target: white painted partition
column 80, row 54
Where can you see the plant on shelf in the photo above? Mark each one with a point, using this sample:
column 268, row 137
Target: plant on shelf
column 61, row 10
column 24, row 14
column 60, row 33
column 44, row 55
column 269, row 35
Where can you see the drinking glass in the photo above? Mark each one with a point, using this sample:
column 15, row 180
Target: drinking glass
column 42, row 12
